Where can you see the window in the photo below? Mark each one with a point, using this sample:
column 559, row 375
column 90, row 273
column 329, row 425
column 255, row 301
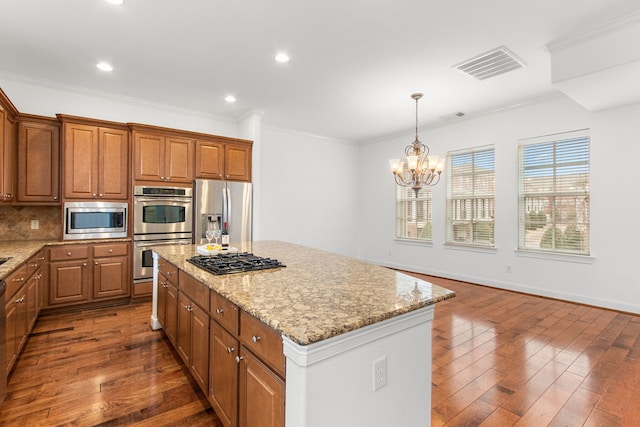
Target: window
column 413, row 214
column 471, row 196
column 553, row 206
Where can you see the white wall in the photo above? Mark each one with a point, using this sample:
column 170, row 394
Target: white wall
column 608, row 278
column 308, row 191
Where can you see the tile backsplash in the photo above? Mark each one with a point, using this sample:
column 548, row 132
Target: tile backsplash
column 15, row 223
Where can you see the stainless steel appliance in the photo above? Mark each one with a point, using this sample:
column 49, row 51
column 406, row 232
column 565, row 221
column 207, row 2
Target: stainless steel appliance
column 95, row 220
column 220, row 202
column 234, row 262
column 161, row 216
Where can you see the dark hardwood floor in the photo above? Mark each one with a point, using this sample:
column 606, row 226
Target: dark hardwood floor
column 499, row 359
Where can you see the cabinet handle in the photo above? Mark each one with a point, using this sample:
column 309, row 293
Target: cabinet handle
column 101, row 195
column 84, row 264
column 255, row 338
column 55, row 197
column 34, row 265
column 95, row 262
column 39, row 276
column 219, row 311
column 94, row 195
column 188, row 308
column 68, row 253
column 239, row 358
column 18, row 280
column 230, row 349
column 110, row 251
column 20, row 300
column 40, row 258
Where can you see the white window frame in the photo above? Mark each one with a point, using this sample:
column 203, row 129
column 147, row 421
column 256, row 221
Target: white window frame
column 564, row 203
column 471, row 211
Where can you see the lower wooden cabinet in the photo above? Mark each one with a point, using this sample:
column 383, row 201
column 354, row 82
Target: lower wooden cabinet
column 261, row 393
column 81, row 273
column 16, row 325
column 223, row 374
column 168, row 307
column 192, row 341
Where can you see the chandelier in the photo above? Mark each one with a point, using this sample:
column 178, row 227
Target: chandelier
column 420, row 169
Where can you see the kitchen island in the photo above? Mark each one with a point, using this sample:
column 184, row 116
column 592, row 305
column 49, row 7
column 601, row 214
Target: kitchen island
column 356, row 337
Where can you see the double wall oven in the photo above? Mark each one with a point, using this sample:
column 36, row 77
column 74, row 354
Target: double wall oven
column 161, row 216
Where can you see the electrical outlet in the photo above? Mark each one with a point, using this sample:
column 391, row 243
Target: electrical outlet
column 508, row 268
column 35, row 224
column 379, row 373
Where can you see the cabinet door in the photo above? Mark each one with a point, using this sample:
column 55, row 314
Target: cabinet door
column 148, row 157
column 32, row 302
column 113, row 166
column 38, row 163
column 200, row 347
column 237, row 162
column 110, row 277
column 209, row 160
column 80, row 160
column 171, row 326
column 223, row 375
column 183, row 341
column 261, row 394
column 178, row 160
column 68, row 282
column 15, row 326
column 8, row 145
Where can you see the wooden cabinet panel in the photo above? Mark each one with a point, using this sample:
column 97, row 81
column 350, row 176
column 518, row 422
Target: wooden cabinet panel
column 178, row 160
column 161, row 305
column 263, row 341
column 149, row 157
column 38, row 163
column 31, row 292
column 199, row 365
column 261, row 401
column 113, row 166
column 16, row 325
column 15, row 280
column 8, row 152
column 209, row 160
column 68, row 252
column 110, row 249
column 68, row 282
column 237, row 162
column 195, row 290
column 171, row 322
column 110, row 277
column 223, row 375
column 183, row 339
column 80, row 161
column 224, row 312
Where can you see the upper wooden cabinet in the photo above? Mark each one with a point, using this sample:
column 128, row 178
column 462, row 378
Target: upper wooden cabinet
column 38, row 160
column 219, row 158
column 8, row 148
column 162, row 158
column 95, row 159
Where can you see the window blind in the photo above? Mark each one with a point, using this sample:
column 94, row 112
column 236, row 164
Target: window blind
column 413, row 215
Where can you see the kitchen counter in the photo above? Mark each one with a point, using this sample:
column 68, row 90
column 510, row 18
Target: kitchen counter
column 19, row 251
column 318, row 295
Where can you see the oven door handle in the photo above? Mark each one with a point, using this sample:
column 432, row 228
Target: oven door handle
column 163, row 199
column 152, row 243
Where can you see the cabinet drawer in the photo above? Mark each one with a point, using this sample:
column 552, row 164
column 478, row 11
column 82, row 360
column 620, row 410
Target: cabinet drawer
column 198, row 292
column 169, row 270
column 34, row 263
column 15, row 281
column 263, row 341
column 224, row 312
column 112, row 249
column 66, row 252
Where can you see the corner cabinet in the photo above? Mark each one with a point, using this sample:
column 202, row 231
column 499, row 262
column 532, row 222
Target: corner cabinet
column 38, row 161
column 95, row 160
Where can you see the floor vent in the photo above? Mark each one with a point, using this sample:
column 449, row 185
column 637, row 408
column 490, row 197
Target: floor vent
column 490, row 64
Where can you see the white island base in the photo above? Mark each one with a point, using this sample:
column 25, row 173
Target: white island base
column 332, row 382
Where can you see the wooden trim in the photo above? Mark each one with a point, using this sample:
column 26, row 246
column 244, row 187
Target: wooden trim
column 92, row 122
column 186, row 133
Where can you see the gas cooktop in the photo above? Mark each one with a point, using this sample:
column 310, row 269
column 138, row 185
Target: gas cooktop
column 235, row 262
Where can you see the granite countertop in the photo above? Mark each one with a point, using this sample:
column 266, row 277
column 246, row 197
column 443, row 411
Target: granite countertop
column 318, row 294
column 19, row 251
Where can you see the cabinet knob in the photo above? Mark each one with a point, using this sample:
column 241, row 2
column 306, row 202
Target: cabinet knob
column 101, row 195
column 219, row 311
column 188, row 308
column 95, row 262
column 94, row 195
column 55, row 197
column 84, row 264
column 239, row 358
column 110, row 251
column 230, row 349
column 20, row 300
column 40, row 258
column 35, row 265
column 255, row 338
column 68, row 253
column 18, row 280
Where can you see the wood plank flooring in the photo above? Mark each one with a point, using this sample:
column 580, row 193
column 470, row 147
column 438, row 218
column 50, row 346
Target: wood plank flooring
column 499, row 359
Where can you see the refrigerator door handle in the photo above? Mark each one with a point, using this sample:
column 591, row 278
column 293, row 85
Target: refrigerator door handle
column 226, row 206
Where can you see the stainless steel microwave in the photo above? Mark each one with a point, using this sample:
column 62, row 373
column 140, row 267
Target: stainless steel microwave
column 95, row 220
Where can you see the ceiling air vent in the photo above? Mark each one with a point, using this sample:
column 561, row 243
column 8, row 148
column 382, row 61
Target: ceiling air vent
column 490, row 64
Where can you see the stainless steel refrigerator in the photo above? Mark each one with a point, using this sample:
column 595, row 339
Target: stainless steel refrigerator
column 217, row 202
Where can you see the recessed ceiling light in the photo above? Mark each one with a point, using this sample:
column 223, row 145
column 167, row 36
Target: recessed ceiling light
column 115, row 1
column 104, row 66
column 282, row 57
column 230, row 98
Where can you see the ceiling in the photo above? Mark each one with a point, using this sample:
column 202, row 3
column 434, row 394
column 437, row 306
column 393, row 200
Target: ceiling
column 354, row 63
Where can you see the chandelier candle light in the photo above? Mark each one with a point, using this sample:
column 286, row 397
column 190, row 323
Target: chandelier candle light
column 421, row 169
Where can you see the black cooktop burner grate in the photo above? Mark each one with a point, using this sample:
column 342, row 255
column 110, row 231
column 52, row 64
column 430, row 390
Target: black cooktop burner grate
column 236, row 262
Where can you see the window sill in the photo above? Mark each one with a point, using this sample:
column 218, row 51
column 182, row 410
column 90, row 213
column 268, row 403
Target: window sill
column 413, row 242
column 551, row 256
column 472, row 248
